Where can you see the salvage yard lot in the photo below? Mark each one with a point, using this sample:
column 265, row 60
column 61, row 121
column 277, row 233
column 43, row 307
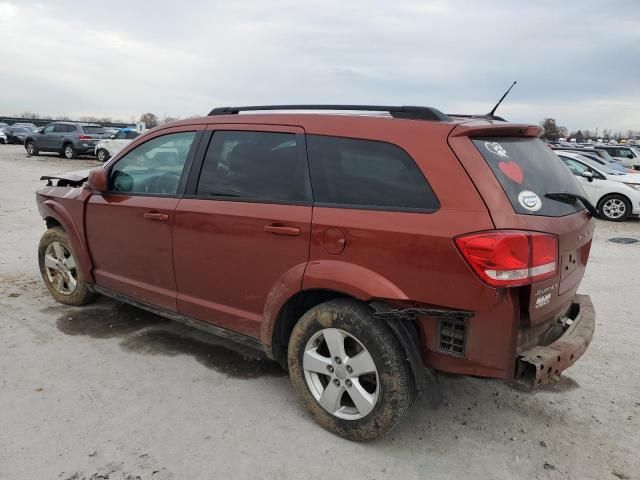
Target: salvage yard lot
column 108, row 391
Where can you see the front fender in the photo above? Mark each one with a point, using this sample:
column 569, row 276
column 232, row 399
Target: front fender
column 51, row 208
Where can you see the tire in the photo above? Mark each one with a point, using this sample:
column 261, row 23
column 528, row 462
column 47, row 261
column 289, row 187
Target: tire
column 31, row 148
column 69, row 152
column 61, row 277
column 363, row 407
column 615, row 208
column 102, row 155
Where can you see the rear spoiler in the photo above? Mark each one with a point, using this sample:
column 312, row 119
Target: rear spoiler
column 479, row 128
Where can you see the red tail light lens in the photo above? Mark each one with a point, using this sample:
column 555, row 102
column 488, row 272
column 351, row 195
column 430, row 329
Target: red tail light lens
column 510, row 258
column 85, row 137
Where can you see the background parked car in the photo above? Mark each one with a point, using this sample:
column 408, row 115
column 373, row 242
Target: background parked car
column 615, row 196
column 17, row 134
column 28, row 125
column 105, row 149
column 628, row 156
column 3, row 137
column 70, row 139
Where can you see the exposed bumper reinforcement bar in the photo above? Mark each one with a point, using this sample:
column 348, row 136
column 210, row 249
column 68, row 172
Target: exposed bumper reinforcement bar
column 539, row 365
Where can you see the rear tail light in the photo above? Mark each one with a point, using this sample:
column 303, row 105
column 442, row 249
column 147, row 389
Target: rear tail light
column 510, row 258
column 85, row 137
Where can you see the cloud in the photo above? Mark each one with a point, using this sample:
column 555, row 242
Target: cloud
column 578, row 65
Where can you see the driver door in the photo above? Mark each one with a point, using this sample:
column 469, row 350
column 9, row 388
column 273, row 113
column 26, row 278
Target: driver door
column 129, row 228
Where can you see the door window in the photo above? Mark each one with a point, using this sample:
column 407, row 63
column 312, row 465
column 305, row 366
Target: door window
column 154, row 167
column 254, row 166
column 49, row 128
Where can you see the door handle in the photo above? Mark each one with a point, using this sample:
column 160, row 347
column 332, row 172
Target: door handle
column 282, row 230
column 163, row 217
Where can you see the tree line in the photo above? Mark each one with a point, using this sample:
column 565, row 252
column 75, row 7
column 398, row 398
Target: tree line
column 552, row 131
column 149, row 119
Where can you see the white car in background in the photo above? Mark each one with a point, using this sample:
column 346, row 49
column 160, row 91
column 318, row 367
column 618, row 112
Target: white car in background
column 615, row 195
column 107, row 148
column 3, row 137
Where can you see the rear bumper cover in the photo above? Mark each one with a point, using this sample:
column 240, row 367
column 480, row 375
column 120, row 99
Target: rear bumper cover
column 540, row 364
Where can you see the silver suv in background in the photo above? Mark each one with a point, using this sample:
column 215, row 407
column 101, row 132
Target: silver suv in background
column 70, row 139
column 627, row 155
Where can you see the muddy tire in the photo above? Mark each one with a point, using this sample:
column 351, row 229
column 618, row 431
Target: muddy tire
column 615, row 208
column 31, row 148
column 69, row 152
column 58, row 269
column 368, row 389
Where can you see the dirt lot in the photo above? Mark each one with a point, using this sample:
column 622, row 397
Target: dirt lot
column 108, row 391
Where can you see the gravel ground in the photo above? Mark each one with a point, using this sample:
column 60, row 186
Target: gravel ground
column 108, row 391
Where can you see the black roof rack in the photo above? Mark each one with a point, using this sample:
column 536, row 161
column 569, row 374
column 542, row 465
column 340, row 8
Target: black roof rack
column 410, row 112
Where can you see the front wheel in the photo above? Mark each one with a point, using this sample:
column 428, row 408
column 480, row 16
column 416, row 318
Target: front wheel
column 59, row 270
column 615, row 208
column 102, row 155
column 349, row 370
column 31, row 148
column 69, row 152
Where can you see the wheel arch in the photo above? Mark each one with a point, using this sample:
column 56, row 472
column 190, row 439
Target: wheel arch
column 55, row 215
column 604, row 197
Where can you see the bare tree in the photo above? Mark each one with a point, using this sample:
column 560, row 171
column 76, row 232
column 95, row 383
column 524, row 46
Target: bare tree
column 149, row 119
column 550, row 129
column 28, row 115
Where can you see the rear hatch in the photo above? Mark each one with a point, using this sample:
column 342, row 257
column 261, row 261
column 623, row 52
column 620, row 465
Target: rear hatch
column 93, row 133
column 514, row 171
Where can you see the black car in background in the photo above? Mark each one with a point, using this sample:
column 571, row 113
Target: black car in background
column 17, row 134
column 69, row 139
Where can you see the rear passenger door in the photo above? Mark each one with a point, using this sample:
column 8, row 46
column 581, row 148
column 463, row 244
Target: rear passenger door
column 242, row 229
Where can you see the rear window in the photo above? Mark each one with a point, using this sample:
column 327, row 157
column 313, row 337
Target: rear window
column 527, row 170
column 366, row 174
column 94, row 130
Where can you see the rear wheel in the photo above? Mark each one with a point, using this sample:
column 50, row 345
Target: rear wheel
column 59, row 270
column 69, row 152
column 615, row 208
column 349, row 370
column 31, row 148
column 102, row 155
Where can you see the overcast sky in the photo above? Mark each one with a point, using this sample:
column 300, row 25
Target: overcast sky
column 579, row 63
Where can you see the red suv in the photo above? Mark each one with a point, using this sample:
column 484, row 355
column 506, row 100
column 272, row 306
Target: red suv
column 362, row 252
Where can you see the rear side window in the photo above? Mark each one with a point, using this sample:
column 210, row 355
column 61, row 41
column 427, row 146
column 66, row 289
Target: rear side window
column 131, row 135
column 254, row 166
column 94, row 130
column 366, row 174
column 527, row 170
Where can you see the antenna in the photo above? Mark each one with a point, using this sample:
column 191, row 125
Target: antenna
column 493, row 110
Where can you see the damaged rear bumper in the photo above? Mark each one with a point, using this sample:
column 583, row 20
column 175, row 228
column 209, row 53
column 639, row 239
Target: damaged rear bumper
column 540, row 364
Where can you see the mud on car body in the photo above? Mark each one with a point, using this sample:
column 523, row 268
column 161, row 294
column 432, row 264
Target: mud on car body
column 365, row 253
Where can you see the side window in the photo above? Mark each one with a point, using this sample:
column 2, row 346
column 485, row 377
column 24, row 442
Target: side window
column 49, row 128
column 153, row 167
column 59, row 128
column 70, row 128
column 254, row 166
column 120, row 135
column 366, row 173
column 575, row 167
column 130, row 135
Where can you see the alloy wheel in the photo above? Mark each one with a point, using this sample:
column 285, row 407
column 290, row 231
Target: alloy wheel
column 61, row 268
column 614, row 208
column 341, row 374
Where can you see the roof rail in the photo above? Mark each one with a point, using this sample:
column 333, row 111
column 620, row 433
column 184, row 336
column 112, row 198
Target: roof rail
column 483, row 117
column 410, row 112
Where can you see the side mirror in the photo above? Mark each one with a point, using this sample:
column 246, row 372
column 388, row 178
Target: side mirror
column 588, row 175
column 97, row 180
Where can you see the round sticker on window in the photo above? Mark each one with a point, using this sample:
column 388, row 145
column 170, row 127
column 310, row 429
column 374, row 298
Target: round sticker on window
column 529, row 200
column 495, row 147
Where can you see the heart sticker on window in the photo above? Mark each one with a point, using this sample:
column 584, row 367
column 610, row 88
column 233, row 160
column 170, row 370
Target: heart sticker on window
column 512, row 170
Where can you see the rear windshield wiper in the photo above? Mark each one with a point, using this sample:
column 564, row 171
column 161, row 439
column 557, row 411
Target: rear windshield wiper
column 571, row 198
